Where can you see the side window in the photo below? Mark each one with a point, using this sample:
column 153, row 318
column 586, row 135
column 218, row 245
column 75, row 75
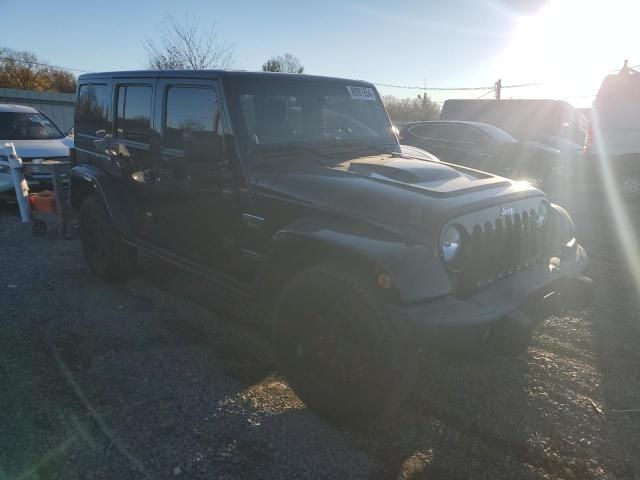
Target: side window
column 190, row 115
column 92, row 109
column 422, row 131
column 470, row 134
column 445, row 131
column 133, row 112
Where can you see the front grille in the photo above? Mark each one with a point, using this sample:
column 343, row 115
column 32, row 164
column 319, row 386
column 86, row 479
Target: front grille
column 503, row 247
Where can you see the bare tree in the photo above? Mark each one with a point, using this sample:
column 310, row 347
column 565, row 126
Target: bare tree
column 25, row 71
column 21, row 70
column 402, row 110
column 188, row 46
column 61, row 81
column 286, row 63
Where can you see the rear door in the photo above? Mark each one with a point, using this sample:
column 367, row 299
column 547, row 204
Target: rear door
column 130, row 150
column 117, row 142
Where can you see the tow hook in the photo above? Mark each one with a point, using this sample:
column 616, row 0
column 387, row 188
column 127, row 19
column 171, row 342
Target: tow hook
column 576, row 293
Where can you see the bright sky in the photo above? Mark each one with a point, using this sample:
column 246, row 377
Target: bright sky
column 567, row 44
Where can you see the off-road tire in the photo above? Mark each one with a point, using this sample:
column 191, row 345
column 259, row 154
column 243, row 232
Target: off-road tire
column 327, row 320
column 107, row 256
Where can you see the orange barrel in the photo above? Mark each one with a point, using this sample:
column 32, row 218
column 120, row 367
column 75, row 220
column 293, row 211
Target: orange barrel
column 44, row 201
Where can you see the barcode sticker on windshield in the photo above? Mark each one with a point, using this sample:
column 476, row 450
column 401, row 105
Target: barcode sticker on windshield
column 361, row 93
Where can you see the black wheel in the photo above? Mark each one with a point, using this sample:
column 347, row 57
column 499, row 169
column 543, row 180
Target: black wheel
column 38, row 228
column 108, row 257
column 336, row 346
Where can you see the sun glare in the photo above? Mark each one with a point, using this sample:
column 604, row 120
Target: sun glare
column 570, row 45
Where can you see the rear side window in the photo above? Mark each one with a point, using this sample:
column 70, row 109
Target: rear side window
column 92, row 109
column 432, row 130
column 133, row 115
column 421, row 131
column 466, row 133
column 189, row 111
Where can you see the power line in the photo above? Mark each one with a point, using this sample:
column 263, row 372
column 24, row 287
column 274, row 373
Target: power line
column 408, row 87
column 429, row 88
column 485, row 94
column 43, row 64
column 533, row 84
column 489, row 89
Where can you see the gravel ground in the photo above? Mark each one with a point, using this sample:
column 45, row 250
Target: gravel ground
column 150, row 380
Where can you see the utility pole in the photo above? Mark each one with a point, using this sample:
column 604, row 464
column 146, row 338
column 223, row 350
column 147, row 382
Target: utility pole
column 625, row 67
column 498, row 88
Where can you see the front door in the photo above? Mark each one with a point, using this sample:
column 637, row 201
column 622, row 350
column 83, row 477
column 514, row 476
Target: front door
column 196, row 212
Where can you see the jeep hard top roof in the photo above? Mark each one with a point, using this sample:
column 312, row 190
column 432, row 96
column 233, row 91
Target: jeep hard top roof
column 224, row 74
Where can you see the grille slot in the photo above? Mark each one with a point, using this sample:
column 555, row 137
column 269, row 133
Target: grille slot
column 501, row 248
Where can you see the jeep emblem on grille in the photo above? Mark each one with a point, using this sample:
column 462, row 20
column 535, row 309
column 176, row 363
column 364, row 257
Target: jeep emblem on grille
column 507, row 211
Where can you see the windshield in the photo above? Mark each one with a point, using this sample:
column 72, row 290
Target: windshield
column 27, row 126
column 277, row 112
column 618, row 102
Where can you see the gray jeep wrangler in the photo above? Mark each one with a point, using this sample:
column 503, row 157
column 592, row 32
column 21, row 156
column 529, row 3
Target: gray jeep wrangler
column 292, row 192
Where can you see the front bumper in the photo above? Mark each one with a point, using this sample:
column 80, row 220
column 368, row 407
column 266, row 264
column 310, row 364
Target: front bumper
column 531, row 295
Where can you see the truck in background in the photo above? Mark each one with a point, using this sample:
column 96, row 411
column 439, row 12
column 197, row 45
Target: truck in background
column 613, row 140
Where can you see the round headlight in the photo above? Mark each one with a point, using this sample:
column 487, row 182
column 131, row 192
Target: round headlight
column 543, row 214
column 451, row 246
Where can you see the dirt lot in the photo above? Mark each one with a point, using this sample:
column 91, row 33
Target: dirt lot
column 148, row 380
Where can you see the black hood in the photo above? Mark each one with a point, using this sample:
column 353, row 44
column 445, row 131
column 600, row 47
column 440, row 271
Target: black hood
column 400, row 193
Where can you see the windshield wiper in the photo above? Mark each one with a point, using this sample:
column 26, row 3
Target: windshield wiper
column 359, row 144
column 287, row 151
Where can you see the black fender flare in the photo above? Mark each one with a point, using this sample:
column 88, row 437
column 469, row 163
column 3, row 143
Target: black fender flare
column 86, row 179
column 416, row 270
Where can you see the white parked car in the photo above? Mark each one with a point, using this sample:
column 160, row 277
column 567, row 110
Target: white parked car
column 35, row 137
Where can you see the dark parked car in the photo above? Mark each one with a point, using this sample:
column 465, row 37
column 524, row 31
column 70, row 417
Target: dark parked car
column 484, row 147
column 552, row 122
column 291, row 192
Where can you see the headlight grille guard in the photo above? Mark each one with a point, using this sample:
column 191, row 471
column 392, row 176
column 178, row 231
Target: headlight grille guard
column 508, row 243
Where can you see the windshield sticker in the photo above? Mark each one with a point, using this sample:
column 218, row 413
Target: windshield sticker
column 362, row 93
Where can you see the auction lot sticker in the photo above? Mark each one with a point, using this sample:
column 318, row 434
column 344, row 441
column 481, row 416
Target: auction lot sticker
column 361, row 93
